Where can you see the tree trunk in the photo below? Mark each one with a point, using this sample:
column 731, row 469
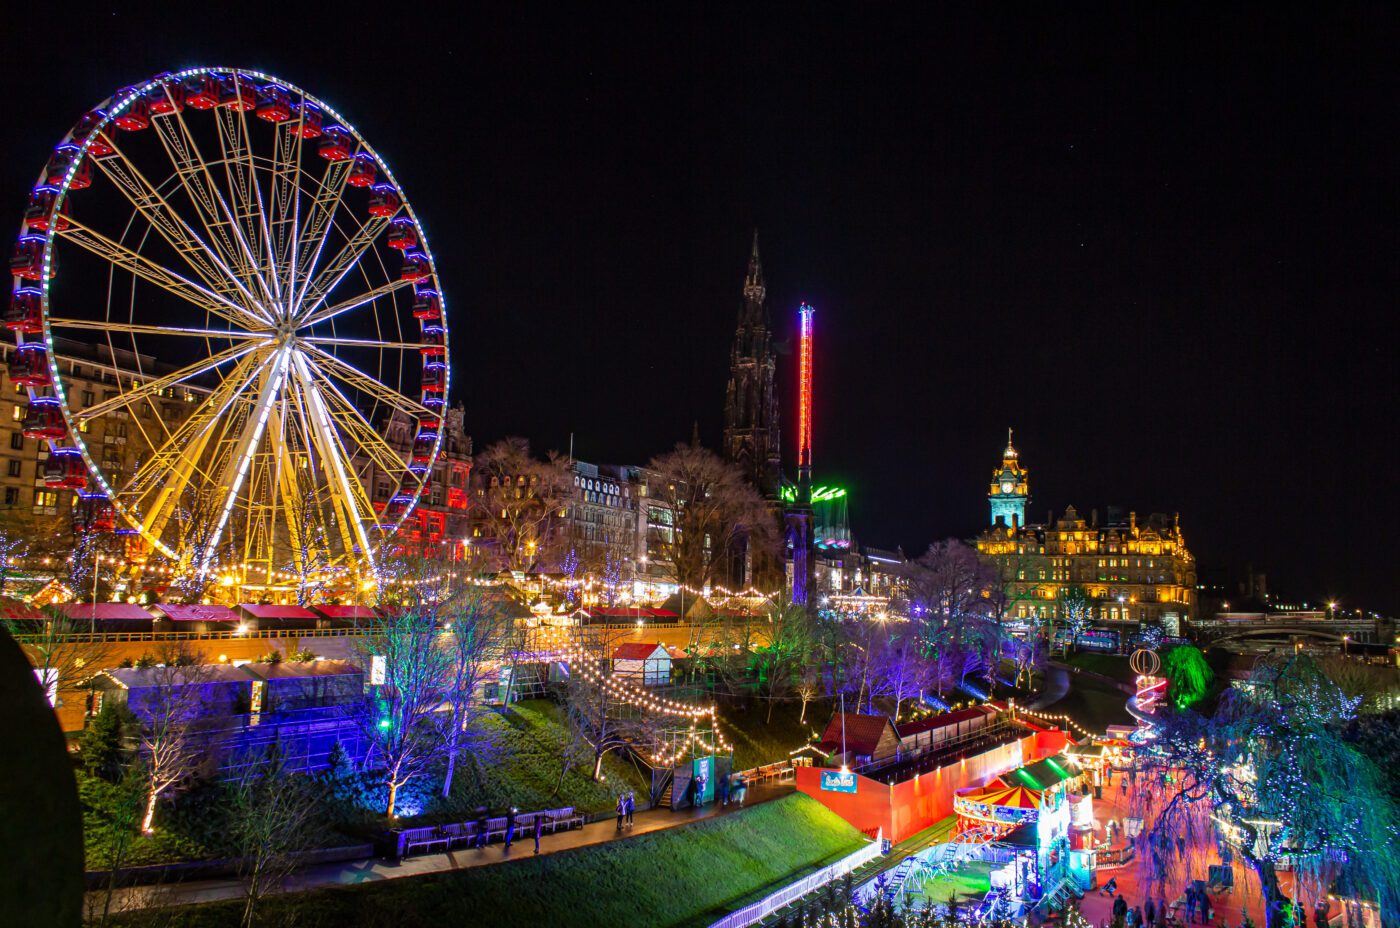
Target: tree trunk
column 597, row 766
column 393, row 798
column 150, row 811
column 1269, row 889
column 451, row 769
column 771, row 700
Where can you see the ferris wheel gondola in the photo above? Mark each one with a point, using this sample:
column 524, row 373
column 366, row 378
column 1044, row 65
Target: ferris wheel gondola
column 253, row 283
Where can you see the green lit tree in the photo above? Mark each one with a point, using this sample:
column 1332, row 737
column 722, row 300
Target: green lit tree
column 1272, row 774
column 1188, row 675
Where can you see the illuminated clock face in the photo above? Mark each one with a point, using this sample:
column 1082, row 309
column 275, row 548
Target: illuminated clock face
column 1007, row 486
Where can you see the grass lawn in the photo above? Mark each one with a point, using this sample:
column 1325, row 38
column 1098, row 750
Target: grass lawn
column 758, row 741
column 684, row 876
column 524, row 770
column 971, row 881
column 1094, row 704
column 1110, row 665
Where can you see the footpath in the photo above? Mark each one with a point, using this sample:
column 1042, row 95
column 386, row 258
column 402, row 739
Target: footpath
column 368, row 870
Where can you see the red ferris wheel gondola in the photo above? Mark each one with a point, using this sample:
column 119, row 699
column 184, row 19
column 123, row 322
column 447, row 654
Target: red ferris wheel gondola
column 40, row 213
column 65, row 468
column 44, row 420
column 29, row 366
column 25, row 313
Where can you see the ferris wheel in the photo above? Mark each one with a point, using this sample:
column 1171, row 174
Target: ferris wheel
column 218, row 273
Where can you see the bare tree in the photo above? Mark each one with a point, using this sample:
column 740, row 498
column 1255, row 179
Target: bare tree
column 171, row 738
column 717, row 513
column 65, row 652
column 478, row 632
column 310, row 555
column 901, row 671
column 271, row 812
column 204, row 554
column 599, row 710
column 790, row 647
column 521, row 501
column 401, row 647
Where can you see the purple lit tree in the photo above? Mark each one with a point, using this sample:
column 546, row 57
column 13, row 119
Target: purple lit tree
column 402, row 644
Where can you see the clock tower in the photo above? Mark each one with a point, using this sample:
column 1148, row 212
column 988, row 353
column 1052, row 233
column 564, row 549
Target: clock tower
column 1010, row 491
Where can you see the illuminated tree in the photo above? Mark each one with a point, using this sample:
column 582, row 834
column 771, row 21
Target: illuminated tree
column 171, row 735
column 717, row 514
column 1188, row 675
column 1271, row 772
column 402, row 641
column 1076, row 609
column 478, row 633
column 789, row 649
column 521, row 501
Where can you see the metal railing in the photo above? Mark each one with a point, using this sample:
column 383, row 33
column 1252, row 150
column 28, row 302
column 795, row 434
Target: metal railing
column 220, row 635
column 757, row 911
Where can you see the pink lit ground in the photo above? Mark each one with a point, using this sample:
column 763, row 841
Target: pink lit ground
column 1228, row 907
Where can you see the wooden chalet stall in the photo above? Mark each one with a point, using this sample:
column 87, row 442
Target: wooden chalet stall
column 269, row 616
column 948, row 728
column 334, row 616
column 647, row 663
column 852, row 740
column 109, row 617
column 197, row 618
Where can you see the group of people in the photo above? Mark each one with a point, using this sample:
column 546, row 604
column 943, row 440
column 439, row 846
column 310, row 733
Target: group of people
column 481, row 832
column 730, row 788
column 626, row 809
column 1148, row 915
column 1197, row 904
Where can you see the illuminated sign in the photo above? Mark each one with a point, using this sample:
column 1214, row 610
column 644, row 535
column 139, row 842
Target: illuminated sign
column 838, row 781
column 377, row 670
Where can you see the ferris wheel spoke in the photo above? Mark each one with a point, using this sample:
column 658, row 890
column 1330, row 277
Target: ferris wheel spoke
column 134, row 329
column 214, row 213
column 351, row 499
column 383, row 455
column 156, row 210
column 148, row 270
column 246, row 195
column 236, row 469
column 154, row 387
column 346, row 260
column 369, row 296
column 169, row 470
column 330, row 365
column 311, row 237
column 362, row 343
column 286, row 196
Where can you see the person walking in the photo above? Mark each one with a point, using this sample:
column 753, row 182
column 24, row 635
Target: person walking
column 631, row 807
column 741, row 790
column 510, row 830
column 481, row 826
column 621, row 811
column 1120, row 909
column 724, row 791
column 700, row 791
column 539, row 829
column 1148, row 912
column 1161, row 912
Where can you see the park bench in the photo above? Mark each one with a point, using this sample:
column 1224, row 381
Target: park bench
column 424, row 840
column 564, row 818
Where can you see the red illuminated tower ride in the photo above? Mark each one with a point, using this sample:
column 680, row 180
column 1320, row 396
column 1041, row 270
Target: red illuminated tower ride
column 799, row 516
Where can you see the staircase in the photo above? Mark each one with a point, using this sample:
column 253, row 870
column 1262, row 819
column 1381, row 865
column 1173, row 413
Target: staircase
column 664, row 801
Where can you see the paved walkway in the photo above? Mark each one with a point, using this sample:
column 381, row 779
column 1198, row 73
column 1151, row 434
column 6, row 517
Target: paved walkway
column 365, row 871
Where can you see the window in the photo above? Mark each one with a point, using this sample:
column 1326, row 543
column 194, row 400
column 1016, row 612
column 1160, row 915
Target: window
column 45, row 498
column 88, row 398
column 18, row 413
column 11, row 496
column 17, row 441
column 14, row 468
column 83, row 426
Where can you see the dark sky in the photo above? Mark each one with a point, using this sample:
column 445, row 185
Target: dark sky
column 1161, row 244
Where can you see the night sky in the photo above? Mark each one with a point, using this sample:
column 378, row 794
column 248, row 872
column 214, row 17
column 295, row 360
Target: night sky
column 1161, row 245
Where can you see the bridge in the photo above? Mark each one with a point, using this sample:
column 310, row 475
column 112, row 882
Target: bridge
column 1281, row 628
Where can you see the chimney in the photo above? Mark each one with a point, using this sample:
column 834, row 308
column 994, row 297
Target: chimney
column 1015, row 521
column 1132, row 522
